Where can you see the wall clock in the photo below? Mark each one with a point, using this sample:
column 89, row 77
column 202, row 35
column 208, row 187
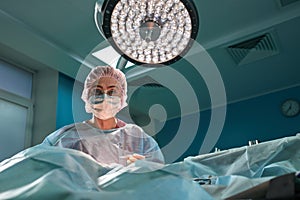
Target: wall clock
column 290, row 108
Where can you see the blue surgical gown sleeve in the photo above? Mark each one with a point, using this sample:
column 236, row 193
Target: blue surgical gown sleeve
column 54, row 137
column 151, row 150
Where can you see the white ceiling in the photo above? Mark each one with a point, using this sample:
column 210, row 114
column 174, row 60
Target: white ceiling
column 61, row 34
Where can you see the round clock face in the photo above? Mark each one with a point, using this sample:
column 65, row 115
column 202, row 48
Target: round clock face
column 290, row 108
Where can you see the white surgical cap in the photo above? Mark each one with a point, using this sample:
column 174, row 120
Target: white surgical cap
column 104, row 71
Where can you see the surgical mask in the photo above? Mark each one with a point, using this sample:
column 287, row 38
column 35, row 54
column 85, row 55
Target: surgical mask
column 105, row 106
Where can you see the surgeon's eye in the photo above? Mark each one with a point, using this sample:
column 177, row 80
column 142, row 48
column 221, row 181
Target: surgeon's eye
column 113, row 92
column 97, row 92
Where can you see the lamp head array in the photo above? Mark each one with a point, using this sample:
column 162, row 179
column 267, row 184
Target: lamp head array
column 148, row 32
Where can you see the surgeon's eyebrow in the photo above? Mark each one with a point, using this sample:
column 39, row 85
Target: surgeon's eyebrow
column 108, row 87
column 112, row 86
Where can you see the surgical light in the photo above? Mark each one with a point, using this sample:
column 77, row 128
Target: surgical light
column 149, row 32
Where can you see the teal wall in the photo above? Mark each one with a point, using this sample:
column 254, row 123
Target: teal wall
column 257, row 118
column 64, row 114
column 69, row 102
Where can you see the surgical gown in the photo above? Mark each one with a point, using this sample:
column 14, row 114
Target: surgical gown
column 108, row 147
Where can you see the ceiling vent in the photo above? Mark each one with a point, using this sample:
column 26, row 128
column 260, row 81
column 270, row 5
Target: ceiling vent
column 284, row 3
column 253, row 49
column 145, row 81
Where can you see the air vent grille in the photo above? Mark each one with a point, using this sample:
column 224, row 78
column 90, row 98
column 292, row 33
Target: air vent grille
column 284, row 3
column 253, row 49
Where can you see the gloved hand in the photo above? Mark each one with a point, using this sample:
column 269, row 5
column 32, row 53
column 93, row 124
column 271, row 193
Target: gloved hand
column 134, row 157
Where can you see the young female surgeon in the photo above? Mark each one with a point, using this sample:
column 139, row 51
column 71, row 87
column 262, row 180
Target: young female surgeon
column 104, row 137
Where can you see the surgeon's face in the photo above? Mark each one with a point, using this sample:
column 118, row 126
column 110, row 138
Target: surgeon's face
column 106, row 85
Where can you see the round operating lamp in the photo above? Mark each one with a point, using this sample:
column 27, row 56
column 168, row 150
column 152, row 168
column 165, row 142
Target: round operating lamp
column 148, row 32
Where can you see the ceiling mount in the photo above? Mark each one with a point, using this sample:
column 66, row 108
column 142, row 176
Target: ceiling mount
column 148, row 32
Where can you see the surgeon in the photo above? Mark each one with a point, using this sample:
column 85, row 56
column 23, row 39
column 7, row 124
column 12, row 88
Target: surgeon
column 106, row 138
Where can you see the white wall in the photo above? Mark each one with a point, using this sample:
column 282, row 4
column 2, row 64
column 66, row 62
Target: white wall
column 45, row 93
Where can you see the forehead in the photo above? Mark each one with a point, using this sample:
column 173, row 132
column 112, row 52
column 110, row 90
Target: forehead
column 107, row 82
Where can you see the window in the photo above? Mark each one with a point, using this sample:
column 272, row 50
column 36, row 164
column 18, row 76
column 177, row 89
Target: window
column 16, row 109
